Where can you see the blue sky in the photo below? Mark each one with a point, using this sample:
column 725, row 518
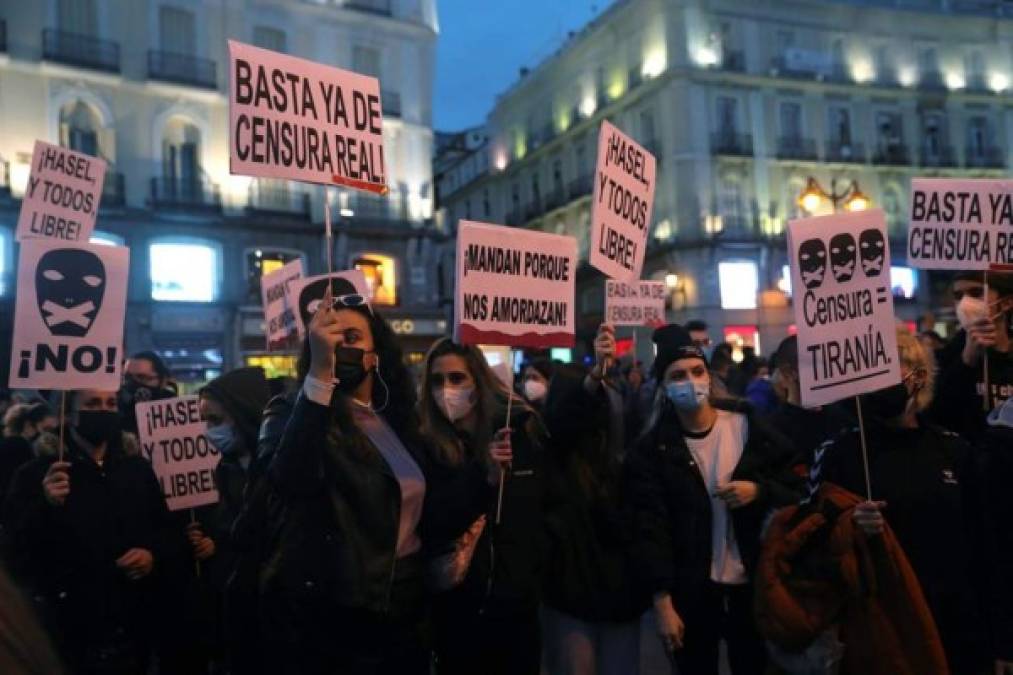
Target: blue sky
column 483, row 43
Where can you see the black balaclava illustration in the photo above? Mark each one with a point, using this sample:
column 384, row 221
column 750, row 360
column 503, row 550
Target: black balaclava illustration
column 69, row 286
column 842, row 257
column 309, row 296
column 812, row 262
column 872, row 248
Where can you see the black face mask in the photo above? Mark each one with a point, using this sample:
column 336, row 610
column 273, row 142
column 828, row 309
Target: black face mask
column 133, row 392
column 348, row 368
column 886, row 404
column 98, row 426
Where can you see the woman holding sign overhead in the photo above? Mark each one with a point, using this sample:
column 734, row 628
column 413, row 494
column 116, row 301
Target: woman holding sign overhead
column 487, row 618
column 342, row 591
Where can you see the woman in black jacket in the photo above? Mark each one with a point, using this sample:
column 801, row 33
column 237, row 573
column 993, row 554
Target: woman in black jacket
column 342, row 588
column 489, row 623
column 701, row 481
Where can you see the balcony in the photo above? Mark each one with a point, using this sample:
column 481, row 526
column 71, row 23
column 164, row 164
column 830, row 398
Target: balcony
column 391, row 103
column 944, row 157
column 114, row 191
column 932, row 80
column 792, row 147
column 580, row 187
column 80, row 50
column 195, row 193
column 984, row 158
column 731, row 144
column 182, row 69
column 378, row 7
column 783, row 68
column 268, row 199
column 845, row 153
column 733, row 61
column 892, row 155
column 389, row 210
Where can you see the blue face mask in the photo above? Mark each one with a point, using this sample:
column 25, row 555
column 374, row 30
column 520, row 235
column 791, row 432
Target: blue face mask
column 224, row 438
column 687, row 395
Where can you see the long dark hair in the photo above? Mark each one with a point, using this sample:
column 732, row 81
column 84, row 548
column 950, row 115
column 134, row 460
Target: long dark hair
column 396, row 402
column 492, row 396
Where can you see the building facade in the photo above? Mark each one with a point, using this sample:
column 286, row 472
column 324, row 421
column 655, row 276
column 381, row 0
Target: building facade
column 143, row 84
column 744, row 103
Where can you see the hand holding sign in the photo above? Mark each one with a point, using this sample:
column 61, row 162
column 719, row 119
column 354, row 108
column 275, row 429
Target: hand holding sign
column 501, row 453
column 56, row 484
column 203, row 546
column 604, row 347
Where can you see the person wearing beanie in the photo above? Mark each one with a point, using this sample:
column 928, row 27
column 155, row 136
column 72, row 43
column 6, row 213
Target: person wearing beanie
column 962, row 403
column 535, row 381
column 701, row 480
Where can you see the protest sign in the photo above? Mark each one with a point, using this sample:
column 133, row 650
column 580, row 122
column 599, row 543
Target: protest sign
column 621, row 204
column 348, row 287
column 172, row 437
column 301, row 120
column 641, row 303
column 847, row 341
column 279, row 310
column 960, row 224
column 68, row 316
column 514, row 287
column 62, row 196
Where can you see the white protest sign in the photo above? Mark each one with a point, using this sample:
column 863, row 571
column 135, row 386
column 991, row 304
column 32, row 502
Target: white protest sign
column 301, row 120
column 847, row 340
column 68, row 317
column 62, row 196
column 621, row 205
column 641, row 303
column 348, row 287
column 960, row 224
column 514, row 287
column 279, row 310
column 172, row 437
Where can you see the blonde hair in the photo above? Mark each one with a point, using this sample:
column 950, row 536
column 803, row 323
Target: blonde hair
column 914, row 356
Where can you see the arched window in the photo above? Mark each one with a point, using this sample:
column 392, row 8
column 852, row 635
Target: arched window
column 381, row 276
column 80, row 128
column 181, row 165
column 184, row 270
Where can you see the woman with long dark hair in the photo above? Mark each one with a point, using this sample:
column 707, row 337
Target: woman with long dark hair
column 491, row 467
column 342, row 590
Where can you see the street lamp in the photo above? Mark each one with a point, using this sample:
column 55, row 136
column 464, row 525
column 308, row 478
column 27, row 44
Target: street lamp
column 851, row 198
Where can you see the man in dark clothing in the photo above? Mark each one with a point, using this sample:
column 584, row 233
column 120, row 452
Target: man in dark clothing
column 146, row 377
column 23, row 423
column 85, row 535
column 984, row 339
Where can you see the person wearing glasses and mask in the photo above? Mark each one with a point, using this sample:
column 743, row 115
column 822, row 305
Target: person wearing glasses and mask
column 86, row 532
column 489, row 622
column 924, row 485
column 701, row 480
column 146, row 377
column 985, row 330
column 342, row 591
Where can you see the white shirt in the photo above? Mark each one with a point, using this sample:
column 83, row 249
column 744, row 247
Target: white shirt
column 717, row 454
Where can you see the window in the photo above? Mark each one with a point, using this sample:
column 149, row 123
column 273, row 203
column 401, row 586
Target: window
column 889, row 130
column 557, row 178
column 582, row 169
column 791, row 122
column 881, row 62
column 106, row 239
column 485, row 203
column 727, row 117
column 177, row 30
column 181, row 156
column 366, row 60
column 730, row 206
column 928, row 65
column 739, row 283
column 79, row 128
column 78, row 16
column 264, row 261
column 840, row 126
column 977, row 137
column 933, row 130
column 269, row 38
column 903, row 282
column 184, row 271
column 646, row 127
column 974, row 63
column 381, row 277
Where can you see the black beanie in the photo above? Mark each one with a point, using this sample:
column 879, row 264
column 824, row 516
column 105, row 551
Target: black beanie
column 674, row 343
column 244, row 394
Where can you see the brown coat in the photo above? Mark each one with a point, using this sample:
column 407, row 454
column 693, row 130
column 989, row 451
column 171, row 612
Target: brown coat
column 817, row 571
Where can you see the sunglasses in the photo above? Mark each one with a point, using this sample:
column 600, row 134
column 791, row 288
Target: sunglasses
column 347, row 301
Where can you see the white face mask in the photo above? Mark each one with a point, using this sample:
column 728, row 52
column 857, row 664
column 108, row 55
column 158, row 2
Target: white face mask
column 455, row 402
column 535, row 390
column 970, row 310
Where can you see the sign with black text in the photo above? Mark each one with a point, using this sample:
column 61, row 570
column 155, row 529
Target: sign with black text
column 847, row 340
column 62, row 196
column 621, row 204
column 68, row 316
column 301, row 120
column 348, row 289
column 173, row 439
column 960, row 224
column 641, row 303
column 279, row 310
column 514, row 287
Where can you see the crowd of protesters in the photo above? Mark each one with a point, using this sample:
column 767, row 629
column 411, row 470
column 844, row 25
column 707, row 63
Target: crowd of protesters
column 375, row 522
